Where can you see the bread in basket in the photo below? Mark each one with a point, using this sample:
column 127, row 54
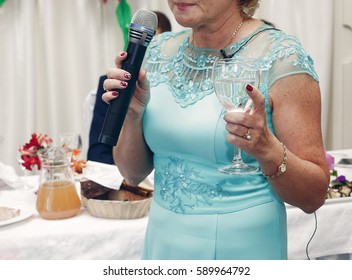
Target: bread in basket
column 129, row 202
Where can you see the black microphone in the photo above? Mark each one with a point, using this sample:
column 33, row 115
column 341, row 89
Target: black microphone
column 142, row 29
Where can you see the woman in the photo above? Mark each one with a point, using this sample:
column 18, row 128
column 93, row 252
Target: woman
column 176, row 125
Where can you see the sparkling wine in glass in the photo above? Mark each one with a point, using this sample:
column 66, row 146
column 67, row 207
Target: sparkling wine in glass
column 230, row 77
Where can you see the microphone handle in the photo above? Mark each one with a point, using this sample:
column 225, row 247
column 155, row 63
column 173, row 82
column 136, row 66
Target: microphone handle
column 118, row 107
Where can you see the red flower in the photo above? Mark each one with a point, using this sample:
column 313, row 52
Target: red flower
column 29, row 151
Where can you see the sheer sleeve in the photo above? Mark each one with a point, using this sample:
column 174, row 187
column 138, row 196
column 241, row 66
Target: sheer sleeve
column 289, row 58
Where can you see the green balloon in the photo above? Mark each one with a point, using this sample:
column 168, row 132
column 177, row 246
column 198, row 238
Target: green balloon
column 123, row 15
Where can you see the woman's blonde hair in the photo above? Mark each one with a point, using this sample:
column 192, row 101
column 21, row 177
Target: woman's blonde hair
column 248, row 7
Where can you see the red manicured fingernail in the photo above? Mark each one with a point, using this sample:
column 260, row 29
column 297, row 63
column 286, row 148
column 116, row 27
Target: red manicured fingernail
column 123, row 53
column 127, row 75
column 115, row 93
column 249, row 88
column 123, row 83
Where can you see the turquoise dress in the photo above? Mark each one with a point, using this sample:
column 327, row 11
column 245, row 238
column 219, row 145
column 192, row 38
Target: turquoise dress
column 198, row 212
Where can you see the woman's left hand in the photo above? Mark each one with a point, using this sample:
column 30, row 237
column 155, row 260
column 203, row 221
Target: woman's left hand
column 248, row 130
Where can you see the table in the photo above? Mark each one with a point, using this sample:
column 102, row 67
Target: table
column 334, row 227
column 86, row 237
column 332, row 237
column 82, row 237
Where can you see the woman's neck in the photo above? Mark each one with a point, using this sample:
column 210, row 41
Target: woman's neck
column 228, row 34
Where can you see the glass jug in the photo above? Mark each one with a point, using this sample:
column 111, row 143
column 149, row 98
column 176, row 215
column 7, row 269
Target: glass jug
column 57, row 196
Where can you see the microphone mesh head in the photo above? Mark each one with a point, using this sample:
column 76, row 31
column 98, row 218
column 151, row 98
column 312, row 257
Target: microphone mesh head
column 146, row 19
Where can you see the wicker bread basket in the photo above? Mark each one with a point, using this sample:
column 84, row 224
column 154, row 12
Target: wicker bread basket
column 130, row 202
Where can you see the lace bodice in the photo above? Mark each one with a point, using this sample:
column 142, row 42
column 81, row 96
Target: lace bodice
column 188, row 70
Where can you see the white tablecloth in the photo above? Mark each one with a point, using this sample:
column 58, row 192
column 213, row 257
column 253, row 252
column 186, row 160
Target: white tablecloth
column 81, row 237
column 332, row 237
column 87, row 237
column 334, row 224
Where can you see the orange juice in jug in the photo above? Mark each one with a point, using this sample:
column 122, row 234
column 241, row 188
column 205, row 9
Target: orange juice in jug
column 58, row 200
column 57, row 195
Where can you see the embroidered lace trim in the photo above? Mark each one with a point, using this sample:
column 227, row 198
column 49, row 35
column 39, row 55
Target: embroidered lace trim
column 180, row 187
column 187, row 70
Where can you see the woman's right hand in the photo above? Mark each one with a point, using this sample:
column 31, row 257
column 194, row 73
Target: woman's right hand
column 119, row 78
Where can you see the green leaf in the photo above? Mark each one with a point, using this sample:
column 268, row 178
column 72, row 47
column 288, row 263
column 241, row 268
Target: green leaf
column 123, row 16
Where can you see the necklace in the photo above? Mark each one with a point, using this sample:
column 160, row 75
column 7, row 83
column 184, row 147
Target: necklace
column 232, row 37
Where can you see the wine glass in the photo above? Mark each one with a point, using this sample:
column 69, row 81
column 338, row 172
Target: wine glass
column 29, row 179
column 71, row 140
column 230, row 77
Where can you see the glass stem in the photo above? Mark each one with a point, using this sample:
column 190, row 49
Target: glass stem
column 237, row 156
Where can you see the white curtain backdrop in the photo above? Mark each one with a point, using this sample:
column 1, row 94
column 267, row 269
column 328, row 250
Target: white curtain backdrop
column 312, row 22
column 52, row 53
